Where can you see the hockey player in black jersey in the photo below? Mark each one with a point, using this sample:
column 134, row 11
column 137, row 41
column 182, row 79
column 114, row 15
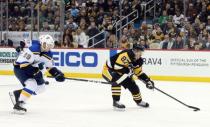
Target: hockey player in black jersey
column 119, row 70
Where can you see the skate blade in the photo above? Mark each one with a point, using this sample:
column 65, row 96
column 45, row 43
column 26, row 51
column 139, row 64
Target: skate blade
column 12, row 98
column 143, row 106
column 119, row 109
column 18, row 112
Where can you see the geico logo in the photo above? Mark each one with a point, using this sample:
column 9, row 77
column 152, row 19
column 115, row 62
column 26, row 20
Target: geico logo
column 75, row 59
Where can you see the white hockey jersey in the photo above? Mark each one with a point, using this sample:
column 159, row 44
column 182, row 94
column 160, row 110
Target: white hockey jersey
column 33, row 56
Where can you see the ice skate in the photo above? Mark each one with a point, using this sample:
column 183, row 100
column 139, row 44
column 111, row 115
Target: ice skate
column 143, row 104
column 118, row 106
column 19, row 109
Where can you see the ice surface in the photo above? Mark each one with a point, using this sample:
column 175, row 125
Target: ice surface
column 82, row 104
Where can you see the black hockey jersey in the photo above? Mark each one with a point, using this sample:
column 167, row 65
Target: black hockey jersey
column 124, row 61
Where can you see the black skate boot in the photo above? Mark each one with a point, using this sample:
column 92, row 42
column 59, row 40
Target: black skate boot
column 46, row 82
column 14, row 96
column 18, row 108
column 118, row 106
column 143, row 104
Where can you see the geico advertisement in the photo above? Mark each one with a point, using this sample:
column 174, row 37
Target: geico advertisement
column 80, row 60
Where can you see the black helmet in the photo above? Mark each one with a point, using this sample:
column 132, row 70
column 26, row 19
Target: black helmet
column 138, row 47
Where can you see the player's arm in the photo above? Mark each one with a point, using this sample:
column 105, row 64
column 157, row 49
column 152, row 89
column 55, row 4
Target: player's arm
column 48, row 62
column 137, row 69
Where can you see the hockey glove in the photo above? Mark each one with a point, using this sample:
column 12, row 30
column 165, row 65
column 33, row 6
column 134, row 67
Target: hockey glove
column 41, row 66
column 18, row 49
column 149, row 83
column 57, row 74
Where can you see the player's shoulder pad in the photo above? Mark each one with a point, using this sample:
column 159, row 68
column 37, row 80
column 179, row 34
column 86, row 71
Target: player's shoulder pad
column 48, row 55
column 35, row 47
column 131, row 55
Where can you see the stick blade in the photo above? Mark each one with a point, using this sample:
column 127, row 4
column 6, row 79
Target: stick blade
column 195, row 108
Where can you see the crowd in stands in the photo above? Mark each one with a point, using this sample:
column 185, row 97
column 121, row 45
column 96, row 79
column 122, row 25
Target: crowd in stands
column 175, row 26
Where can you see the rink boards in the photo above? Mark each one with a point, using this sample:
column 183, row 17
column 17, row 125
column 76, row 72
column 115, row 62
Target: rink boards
column 159, row 64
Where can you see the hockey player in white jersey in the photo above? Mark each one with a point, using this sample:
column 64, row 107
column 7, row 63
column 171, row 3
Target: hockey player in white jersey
column 28, row 73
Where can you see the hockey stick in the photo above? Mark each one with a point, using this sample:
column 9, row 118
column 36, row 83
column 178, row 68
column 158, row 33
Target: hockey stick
column 93, row 81
column 195, row 108
column 84, row 80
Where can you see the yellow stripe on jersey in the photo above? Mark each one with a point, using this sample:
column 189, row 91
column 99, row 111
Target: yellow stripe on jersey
column 36, row 53
column 123, row 59
column 106, row 73
column 26, row 93
column 47, row 56
column 24, row 65
column 137, row 71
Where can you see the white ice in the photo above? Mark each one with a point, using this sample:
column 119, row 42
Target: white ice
column 83, row 104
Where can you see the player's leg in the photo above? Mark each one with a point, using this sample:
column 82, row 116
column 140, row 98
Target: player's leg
column 26, row 93
column 113, row 77
column 134, row 89
column 116, row 92
column 31, row 87
column 14, row 95
column 22, row 77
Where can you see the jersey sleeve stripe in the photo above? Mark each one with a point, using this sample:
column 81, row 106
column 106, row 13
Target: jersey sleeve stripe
column 48, row 57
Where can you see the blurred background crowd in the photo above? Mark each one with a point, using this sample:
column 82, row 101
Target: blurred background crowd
column 156, row 24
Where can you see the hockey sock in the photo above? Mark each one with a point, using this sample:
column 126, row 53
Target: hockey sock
column 17, row 94
column 28, row 90
column 137, row 97
column 25, row 94
column 116, row 92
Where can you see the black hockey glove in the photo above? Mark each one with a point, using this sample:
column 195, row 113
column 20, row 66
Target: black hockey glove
column 57, row 74
column 41, row 66
column 20, row 48
column 149, row 83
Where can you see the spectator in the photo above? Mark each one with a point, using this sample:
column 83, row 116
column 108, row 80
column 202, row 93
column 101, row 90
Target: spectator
column 191, row 44
column 179, row 43
column 158, row 34
column 82, row 38
column 71, row 24
column 207, row 44
column 124, row 43
column 111, row 41
column 74, row 11
column 164, row 42
column 168, row 44
column 177, row 18
column 164, row 18
column 67, row 38
column 144, row 43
